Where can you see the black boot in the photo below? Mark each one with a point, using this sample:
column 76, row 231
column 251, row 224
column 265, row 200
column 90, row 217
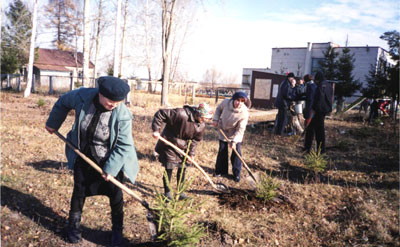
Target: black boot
column 116, row 236
column 74, row 231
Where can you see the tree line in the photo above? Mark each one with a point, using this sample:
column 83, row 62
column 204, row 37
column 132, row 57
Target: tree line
column 147, row 33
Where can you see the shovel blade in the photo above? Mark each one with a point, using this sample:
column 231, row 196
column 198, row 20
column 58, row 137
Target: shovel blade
column 152, row 225
column 253, row 183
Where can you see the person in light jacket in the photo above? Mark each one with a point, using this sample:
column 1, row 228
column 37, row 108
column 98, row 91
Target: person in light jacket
column 102, row 131
column 231, row 116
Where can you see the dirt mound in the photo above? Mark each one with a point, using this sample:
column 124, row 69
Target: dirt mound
column 246, row 200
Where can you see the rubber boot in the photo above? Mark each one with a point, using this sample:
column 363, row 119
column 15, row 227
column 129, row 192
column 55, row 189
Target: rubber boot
column 74, row 231
column 117, row 227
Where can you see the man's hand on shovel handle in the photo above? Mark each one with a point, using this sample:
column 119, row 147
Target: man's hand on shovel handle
column 106, row 176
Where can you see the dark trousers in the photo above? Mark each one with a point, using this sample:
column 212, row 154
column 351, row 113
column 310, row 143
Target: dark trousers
column 317, row 128
column 169, row 177
column 88, row 182
column 281, row 121
column 221, row 167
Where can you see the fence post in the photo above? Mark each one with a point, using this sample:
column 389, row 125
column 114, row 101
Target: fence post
column 19, row 83
column 71, row 85
column 50, row 84
column 216, row 96
column 193, row 92
column 128, row 96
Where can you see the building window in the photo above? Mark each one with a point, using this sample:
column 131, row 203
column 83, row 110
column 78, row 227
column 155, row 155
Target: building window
column 245, row 79
column 315, row 65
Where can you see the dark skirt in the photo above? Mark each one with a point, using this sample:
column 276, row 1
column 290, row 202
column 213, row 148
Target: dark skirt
column 89, row 182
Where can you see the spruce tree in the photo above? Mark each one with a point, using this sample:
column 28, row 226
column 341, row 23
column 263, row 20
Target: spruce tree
column 329, row 64
column 377, row 80
column 392, row 89
column 346, row 86
column 16, row 35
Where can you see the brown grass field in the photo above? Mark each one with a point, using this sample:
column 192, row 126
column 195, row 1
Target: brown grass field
column 354, row 203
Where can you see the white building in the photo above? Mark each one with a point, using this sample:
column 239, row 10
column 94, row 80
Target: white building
column 305, row 60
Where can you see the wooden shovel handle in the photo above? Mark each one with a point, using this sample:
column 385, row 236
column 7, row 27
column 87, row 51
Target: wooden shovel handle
column 97, row 168
column 238, row 155
column 190, row 159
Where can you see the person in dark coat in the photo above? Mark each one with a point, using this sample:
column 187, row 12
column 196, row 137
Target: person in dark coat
column 103, row 132
column 286, row 94
column 181, row 125
column 374, row 110
column 313, row 114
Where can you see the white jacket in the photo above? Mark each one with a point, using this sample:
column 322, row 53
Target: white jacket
column 231, row 120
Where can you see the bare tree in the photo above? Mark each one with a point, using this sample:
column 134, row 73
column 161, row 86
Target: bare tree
column 148, row 29
column 124, row 28
column 76, row 24
column 100, row 26
column 62, row 14
column 86, row 42
column 213, row 76
column 186, row 10
column 167, row 24
column 117, row 41
column 27, row 91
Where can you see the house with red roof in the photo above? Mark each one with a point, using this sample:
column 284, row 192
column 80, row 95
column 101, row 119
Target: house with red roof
column 60, row 65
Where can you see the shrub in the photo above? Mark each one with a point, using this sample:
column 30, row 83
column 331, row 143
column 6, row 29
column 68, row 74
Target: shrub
column 315, row 161
column 266, row 188
column 173, row 215
column 41, row 102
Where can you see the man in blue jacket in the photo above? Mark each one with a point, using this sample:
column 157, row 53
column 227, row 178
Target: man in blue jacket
column 103, row 132
column 286, row 94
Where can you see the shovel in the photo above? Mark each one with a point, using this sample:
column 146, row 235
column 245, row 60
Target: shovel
column 219, row 187
column 150, row 212
column 240, row 157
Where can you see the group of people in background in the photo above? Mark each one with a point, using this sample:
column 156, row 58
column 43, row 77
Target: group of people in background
column 313, row 98
column 102, row 131
column 376, row 107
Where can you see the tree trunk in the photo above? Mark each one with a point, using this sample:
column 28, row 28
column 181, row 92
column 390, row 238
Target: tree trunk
column 167, row 20
column 123, row 37
column 98, row 38
column 339, row 105
column 117, row 40
column 86, row 44
column 165, row 82
column 27, row 91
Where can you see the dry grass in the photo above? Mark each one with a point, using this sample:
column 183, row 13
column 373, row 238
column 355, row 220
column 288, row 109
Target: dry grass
column 355, row 203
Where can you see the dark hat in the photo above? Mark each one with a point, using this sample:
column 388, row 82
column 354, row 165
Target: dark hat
column 113, row 88
column 238, row 95
column 290, row 74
